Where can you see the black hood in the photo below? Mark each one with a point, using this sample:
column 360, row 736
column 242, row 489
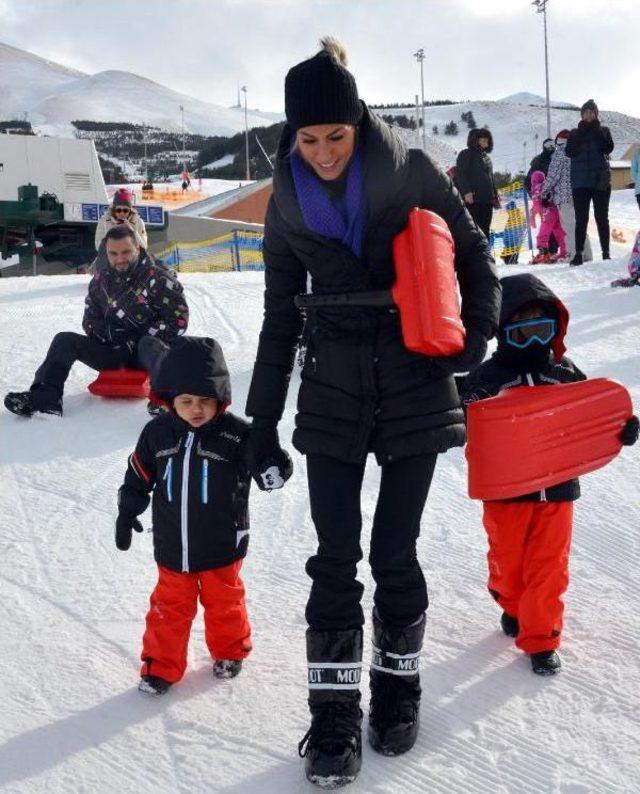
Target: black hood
column 523, row 289
column 193, row 365
column 479, row 132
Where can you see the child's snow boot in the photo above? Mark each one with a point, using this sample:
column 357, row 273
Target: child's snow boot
column 510, row 625
column 227, row 668
column 153, row 685
column 332, row 747
column 541, row 258
column 545, row 663
column 394, row 715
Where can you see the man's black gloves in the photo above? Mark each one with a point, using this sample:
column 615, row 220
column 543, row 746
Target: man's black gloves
column 475, row 348
column 269, row 464
column 124, row 525
column 629, row 433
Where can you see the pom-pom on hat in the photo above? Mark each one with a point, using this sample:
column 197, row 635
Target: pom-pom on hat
column 123, row 198
column 321, row 90
column 563, row 135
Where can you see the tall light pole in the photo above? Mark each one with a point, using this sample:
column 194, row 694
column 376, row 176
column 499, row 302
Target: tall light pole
column 184, row 156
column 247, row 175
column 419, row 56
column 541, row 8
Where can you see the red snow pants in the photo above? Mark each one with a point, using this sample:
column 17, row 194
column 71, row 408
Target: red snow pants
column 173, row 606
column 528, row 560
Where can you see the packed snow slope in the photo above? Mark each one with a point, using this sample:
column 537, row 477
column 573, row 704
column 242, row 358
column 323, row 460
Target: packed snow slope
column 73, row 606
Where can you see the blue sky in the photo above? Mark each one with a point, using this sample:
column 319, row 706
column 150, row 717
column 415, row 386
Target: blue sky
column 475, row 49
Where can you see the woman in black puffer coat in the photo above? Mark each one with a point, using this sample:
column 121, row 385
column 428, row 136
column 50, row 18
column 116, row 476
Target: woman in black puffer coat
column 589, row 147
column 344, row 185
column 474, row 177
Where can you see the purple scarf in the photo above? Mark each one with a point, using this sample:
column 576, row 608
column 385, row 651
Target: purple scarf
column 342, row 221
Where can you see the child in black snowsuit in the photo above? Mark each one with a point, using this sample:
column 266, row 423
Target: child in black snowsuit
column 192, row 458
column 530, row 536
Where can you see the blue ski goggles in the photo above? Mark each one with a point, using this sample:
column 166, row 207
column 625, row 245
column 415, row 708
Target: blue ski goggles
column 525, row 332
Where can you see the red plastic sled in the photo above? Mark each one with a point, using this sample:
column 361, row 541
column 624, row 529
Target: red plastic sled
column 426, row 289
column 121, row 383
column 530, row 438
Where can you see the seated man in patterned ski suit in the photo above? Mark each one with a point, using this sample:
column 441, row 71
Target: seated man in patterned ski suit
column 134, row 309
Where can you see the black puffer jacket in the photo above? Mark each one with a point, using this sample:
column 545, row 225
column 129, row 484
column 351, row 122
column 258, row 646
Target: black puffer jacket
column 474, row 170
column 589, row 147
column 198, row 476
column 361, row 388
column 123, row 307
column 509, row 367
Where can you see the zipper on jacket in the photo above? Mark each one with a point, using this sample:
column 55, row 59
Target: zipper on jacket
column 168, row 477
column 205, row 481
column 184, row 505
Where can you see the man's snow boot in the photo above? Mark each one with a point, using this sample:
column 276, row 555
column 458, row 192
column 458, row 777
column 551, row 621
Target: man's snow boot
column 27, row 403
column 394, row 715
column 577, row 259
column 153, row 685
column 332, row 747
column 227, row 668
column 510, row 625
column 606, row 255
column 545, row 663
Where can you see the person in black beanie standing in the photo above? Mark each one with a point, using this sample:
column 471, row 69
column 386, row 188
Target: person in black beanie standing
column 589, row 147
column 344, row 185
column 474, row 175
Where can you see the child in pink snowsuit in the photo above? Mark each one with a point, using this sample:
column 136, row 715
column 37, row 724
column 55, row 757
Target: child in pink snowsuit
column 550, row 222
column 537, row 178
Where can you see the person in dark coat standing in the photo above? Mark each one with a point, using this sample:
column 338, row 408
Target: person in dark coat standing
column 589, row 147
column 344, row 185
column 134, row 309
column 540, row 162
column 474, row 175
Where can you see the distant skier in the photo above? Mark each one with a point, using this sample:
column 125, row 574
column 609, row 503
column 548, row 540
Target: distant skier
column 193, row 461
column 121, row 211
column 186, row 180
column 530, row 536
column 134, row 305
column 474, row 177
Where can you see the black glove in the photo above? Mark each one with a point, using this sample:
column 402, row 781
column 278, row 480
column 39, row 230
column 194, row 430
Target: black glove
column 475, row 348
column 269, row 464
column 630, row 431
column 124, row 525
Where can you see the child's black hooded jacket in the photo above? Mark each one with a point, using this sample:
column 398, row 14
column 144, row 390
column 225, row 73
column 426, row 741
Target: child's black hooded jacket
column 198, row 476
column 509, row 367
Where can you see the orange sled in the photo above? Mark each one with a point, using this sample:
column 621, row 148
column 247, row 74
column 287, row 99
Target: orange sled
column 529, row 438
column 121, row 383
column 425, row 292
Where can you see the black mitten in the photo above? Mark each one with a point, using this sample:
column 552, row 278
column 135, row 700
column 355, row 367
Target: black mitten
column 475, row 348
column 630, row 431
column 124, row 525
column 269, row 464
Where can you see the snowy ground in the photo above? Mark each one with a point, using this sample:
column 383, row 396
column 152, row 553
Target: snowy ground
column 73, row 606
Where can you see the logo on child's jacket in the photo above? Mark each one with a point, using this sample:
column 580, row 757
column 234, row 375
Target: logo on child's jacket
column 271, row 478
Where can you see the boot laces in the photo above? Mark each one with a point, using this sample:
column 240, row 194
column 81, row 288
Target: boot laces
column 333, row 726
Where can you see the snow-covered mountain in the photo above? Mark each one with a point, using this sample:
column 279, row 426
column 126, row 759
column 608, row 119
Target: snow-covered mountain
column 526, row 98
column 54, row 96
column 518, row 129
column 26, row 79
